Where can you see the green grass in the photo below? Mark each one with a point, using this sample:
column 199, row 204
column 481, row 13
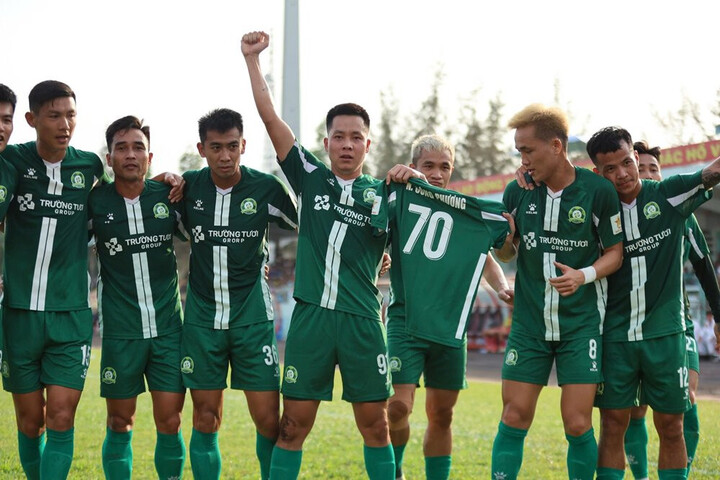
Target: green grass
column 334, row 448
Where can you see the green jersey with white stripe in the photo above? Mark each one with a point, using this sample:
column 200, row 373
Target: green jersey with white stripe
column 7, row 186
column 645, row 296
column 46, row 229
column 138, row 283
column 570, row 227
column 440, row 240
column 696, row 247
column 229, row 250
column 338, row 257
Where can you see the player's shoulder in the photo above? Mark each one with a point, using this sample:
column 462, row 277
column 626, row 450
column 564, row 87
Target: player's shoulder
column 16, row 153
column 192, row 176
column 74, row 154
column 255, row 175
column 101, row 191
column 591, row 181
column 153, row 187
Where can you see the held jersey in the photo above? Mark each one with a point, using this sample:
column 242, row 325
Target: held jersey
column 46, row 229
column 440, row 240
column 645, row 296
column 138, row 283
column 228, row 238
column 338, row 257
column 8, row 177
column 570, row 227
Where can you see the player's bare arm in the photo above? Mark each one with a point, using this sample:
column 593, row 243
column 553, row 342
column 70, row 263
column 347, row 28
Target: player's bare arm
column 571, row 279
column 495, row 276
column 711, row 174
column 509, row 249
column 176, row 182
column 281, row 135
column 524, row 180
column 402, row 173
column 386, row 264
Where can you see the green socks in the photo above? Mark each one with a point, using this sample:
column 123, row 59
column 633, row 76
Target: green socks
column 169, row 455
column 285, row 464
column 438, row 468
column 605, row 473
column 58, row 454
column 117, row 455
column 263, row 450
column 31, row 450
column 399, row 452
column 507, row 452
column 582, row 455
column 672, row 474
column 205, row 455
column 379, row 462
column 636, row 440
column 691, row 431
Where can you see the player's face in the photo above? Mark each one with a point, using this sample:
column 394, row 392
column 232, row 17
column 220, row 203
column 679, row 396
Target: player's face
column 539, row 157
column 130, row 156
column 54, row 123
column 621, row 168
column 436, row 166
column 648, row 167
column 346, row 145
column 222, row 152
column 6, row 124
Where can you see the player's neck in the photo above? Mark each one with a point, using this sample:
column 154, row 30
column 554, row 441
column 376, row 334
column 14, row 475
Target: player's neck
column 563, row 176
column 129, row 189
column 225, row 183
column 48, row 154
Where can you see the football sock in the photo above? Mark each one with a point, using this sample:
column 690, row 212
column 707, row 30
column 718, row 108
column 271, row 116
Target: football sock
column 379, row 462
column 672, row 474
column 507, row 451
column 582, row 455
column 691, row 431
column 169, row 455
column 285, row 464
column 31, row 450
column 117, row 455
column 205, row 455
column 605, row 473
column 58, row 454
column 636, row 440
column 263, row 450
column 438, row 468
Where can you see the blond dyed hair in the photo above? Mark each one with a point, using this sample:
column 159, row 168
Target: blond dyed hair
column 430, row 143
column 549, row 122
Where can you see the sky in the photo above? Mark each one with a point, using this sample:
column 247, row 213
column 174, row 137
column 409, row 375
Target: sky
column 171, row 62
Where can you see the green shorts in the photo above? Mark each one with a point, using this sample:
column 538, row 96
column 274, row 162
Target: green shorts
column 658, row 364
column 319, row 339
column 250, row 351
column 693, row 357
column 46, row 348
column 442, row 366
column 530, row 360
column 126, row 364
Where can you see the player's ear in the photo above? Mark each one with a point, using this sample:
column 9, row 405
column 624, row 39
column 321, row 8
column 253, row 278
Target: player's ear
column 150, row 155
column 325, row 143
column 367, row 146
column 108, row 160
column 201, row 149
column 30, row 119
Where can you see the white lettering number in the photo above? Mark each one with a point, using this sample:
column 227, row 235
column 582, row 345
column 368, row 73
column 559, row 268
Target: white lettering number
column 683, row 376
column 271, row 355
column 690, row 344
column 86, row 350
column 592, row 351
column 433, row 222
column 382, row 363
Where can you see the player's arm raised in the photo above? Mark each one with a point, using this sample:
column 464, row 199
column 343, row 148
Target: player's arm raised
column 571, row 279
column 281, row 135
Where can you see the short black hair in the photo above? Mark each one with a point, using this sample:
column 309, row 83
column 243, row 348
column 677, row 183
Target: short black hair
column 347, row 109
column 122, row 124
column 643, row 147
column 47, row 91
column 7, row 96
column 607, row 140
column 219, row 120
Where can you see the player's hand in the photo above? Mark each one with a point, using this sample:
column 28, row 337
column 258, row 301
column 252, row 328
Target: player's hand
column 386, row 263
column 254, row 42
column 507, row 295
column 177, row 182
column 267, row 272
column 570, row 280
column 524, row 179
column 402, row 173
column 511, row 223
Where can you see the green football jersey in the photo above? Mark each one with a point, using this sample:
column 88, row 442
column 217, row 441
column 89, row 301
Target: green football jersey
column 8, row 177
column 46, row 229
column 645, row 297
column 228, row 234
column 440, row 241
column 138, row 283
column 338, row 257
column 570, row 227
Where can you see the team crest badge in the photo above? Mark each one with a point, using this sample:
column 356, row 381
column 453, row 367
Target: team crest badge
column 248, row 206
column 395, row 364
column 651, row 210
column 291, row 374
column 160, row 210
column 511, row 357
column 77, row 180
column 369, row 195
column 109, row 375
column 3, row 193
column 187, row 365
column 576, row 215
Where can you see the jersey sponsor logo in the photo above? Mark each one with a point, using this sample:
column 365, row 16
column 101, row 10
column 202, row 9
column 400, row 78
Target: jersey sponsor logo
column 369, row 195
column 395, row 364
column 291, row 374
column 198, row 235
column 576, row 215
column 198, row 205
column 77, row 180
column 160, row 210
column 648, row 243
column 322, row 202
column 187, row 365
column 26, row 202
column 511, row 357
column 531, row 210
column 248, row 206
column 616, row 224
column 109, row 375
column 651, row 210
column 30, row 174
column 113, row 246
column 3, row 193
column 529, row 240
